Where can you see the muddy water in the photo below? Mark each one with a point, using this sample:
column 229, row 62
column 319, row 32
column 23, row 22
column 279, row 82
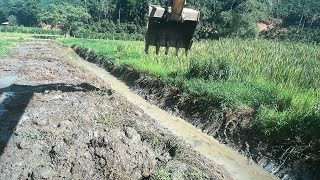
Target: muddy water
column 229, row 160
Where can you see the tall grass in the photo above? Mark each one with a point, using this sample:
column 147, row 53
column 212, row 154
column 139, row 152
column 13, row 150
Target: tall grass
column 279, row 80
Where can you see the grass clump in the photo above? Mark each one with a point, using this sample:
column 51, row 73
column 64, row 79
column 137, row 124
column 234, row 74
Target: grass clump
column 215, row 69
column 6, row 46
column 178, row 173
column 161, row 175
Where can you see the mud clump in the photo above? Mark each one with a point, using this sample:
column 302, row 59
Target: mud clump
column 128, row 156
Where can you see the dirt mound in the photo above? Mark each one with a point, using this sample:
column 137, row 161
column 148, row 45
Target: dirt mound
column 124, row 151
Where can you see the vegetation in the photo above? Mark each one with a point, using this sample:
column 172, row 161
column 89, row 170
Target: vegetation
column 220, row 18
column 173, row 173
column 161, row 175
column 67, row 16
column 28, row 30
column 20, row 12
column 6, row 45
column 279, row 80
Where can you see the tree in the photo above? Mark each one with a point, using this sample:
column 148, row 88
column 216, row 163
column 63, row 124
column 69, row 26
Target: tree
column 219, row 18
column 2, row 16
column 298, row 12
column 25, row 11
column 132, row 11
column 242, row 19
column 66, row 15
column 12, row 20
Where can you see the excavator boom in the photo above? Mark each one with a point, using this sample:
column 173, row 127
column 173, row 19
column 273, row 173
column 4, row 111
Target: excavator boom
column 176, row 10
column 171, row 26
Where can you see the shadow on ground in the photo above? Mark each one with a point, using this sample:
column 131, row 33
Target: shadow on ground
column 15, row 99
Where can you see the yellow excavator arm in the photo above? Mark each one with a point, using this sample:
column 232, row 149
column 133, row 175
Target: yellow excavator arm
column 176, row 10
column 171, row 26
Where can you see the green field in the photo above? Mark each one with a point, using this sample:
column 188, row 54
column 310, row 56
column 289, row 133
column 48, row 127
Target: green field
column 279, row 80
column 6, row 45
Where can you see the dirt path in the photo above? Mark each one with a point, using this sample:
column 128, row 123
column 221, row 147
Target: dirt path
column 59, row 121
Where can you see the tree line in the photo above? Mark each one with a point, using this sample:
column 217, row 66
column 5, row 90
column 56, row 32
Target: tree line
column 219, row 18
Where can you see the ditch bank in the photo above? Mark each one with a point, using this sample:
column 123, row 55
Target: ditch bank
column 59, row 122
column 231, row 127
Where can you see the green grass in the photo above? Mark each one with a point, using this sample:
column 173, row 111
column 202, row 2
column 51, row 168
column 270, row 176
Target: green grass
column 279, row 80
column 5, row 35
column 10, row 39
column 176, row 173
column 6, row 46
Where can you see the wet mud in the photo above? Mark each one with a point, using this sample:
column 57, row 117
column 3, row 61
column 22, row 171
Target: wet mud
column 60, row 122
column 231, row 128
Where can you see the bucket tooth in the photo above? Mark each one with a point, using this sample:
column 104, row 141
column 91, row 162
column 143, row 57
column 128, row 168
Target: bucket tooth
column 177, row 51
column 167, row 50
column 157, row 47
column 167, row 46
column 146, row 50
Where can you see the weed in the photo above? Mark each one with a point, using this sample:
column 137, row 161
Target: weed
column 101, row 92
column 6, row 46
column 195, row 175
column 161, row 175
column 178, row 173
column 107, row 119
column 32, row 135
column 153, row 139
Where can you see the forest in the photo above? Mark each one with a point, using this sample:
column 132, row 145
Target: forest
column 289, row 19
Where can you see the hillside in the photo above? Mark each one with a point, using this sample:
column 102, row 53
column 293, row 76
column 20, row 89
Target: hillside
column 220, row 18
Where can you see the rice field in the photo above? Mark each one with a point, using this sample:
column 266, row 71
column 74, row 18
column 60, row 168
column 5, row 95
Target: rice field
column 6, row 45
column 279, row 80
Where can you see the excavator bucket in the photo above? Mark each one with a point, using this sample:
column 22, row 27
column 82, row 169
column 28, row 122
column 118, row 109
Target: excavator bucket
column 167, row 28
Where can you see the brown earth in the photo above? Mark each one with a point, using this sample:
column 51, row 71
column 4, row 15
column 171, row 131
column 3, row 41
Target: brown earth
column 60, row 122
column 148, row 93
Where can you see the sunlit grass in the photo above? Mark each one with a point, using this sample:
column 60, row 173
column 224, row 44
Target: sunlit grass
column 14, row 35
column 6, row 46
